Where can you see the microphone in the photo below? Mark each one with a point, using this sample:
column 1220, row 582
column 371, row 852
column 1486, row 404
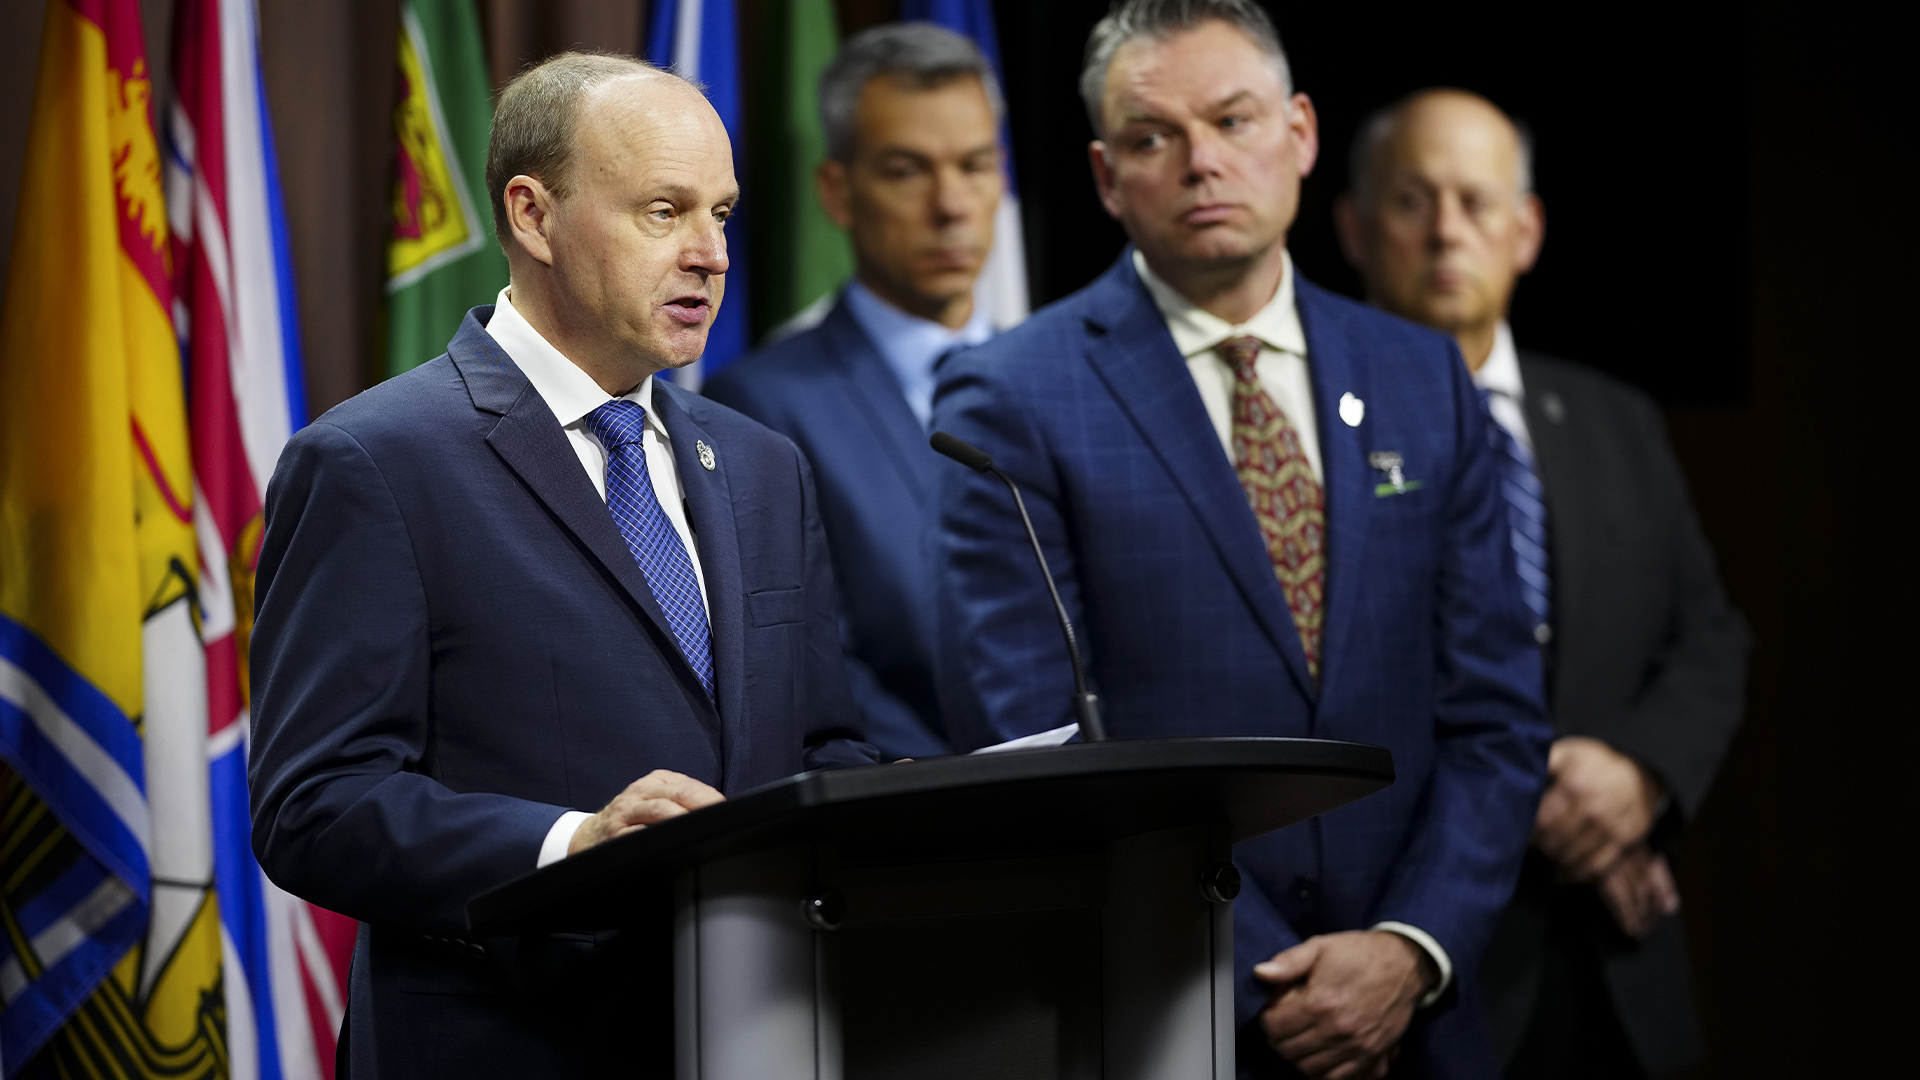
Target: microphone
column 1086, row 706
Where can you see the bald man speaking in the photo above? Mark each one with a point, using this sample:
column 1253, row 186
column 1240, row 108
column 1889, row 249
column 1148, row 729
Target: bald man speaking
column 1645, row 661
column 509, row 601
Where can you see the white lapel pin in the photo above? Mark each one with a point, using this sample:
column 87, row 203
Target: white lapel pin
column 1352, row 409
column 706, row 453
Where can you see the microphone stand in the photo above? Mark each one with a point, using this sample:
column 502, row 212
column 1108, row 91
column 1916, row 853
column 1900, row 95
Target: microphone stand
column 1086, row 705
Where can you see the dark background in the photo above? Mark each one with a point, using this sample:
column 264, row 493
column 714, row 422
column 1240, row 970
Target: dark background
column 1730, row 226
column 1640, row 140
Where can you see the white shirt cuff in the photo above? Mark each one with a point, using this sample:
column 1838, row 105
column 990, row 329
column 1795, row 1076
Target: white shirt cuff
column 560, row 837
column 1432, row 949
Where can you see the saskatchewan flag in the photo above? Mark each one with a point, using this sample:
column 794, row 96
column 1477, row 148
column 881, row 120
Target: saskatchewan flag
column 799, row 257
column 441, row 255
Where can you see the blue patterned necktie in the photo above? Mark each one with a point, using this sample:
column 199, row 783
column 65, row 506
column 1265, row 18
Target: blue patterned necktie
column 1526, row 516
column 655, row 544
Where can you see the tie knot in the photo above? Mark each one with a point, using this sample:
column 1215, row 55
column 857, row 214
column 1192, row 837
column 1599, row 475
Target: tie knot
column 617, row 423
column 1240, row 354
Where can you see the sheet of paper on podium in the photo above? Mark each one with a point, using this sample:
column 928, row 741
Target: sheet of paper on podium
column 1055, row 737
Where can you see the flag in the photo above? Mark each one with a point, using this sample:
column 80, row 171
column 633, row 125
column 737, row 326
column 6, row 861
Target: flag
column 1002, row 288
column 696, row 38
column 441, row 254
column 800, row 257
column 97, row 578
column 282, row 962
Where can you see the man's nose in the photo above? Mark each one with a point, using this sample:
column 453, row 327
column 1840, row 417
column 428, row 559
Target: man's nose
column 1449, row 220
column 953, row 198
column 1203, row 154
column 706, row 249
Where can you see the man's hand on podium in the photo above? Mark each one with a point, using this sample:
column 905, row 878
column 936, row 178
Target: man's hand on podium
column 1341, row 1001
column 655, row 797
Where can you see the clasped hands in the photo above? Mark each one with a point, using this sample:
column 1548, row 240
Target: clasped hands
column 1341, row 1001
column 1593, row 823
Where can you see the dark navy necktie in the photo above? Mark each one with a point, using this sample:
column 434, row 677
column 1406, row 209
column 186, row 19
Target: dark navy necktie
column 655, row 544
column 1526, row 516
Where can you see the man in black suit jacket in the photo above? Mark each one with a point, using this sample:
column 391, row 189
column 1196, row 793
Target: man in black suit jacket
column 497, row 588
column 1646, row 662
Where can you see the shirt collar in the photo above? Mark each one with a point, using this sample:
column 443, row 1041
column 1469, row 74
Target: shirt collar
column 908, row 343
column 570, row 392
column 1197, row 331
column 1501, row 373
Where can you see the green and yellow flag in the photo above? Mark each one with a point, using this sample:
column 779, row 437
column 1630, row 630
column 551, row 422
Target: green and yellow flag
column 441, row 255
column 799, row 257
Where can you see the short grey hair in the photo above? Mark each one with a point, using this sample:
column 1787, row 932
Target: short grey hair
column 1161, row 19
column 534, row 120
column 923, row 55
column 1379, row 127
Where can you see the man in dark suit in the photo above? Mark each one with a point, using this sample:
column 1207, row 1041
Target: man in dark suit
column 1646, row 662
column 911, row 112
column 1272, row 512
column 496, row 589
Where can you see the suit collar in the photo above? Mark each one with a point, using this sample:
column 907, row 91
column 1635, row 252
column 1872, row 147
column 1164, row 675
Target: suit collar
column 1134, row 355
column 1347, row 482
column 872, row 388
column 716, row 534
column 529, row 440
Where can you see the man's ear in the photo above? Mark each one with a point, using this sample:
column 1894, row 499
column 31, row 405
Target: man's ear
column 1103, row 178
column 530, row 216
column 1533, row 233
column 835, row 188
column 1306, row 131
column 1352, row 231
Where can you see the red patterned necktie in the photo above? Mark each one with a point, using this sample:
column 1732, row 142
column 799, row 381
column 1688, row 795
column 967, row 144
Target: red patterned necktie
column 1287, row 500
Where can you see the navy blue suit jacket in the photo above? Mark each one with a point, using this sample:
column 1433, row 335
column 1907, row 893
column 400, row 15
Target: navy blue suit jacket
column 1427, row 645
column 829, row 390
column 454, row 646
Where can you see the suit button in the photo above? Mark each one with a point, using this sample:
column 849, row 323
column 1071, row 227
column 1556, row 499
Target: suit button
column 1543, row 633
column 1305, row 888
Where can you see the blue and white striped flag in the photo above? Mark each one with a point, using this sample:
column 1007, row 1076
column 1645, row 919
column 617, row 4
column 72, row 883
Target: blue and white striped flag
column 1002, row 288
column 698, row 40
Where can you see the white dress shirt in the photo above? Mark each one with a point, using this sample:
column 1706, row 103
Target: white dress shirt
column 911, row 345
column 572, row 394
column 1500, row 375
column 1281, row 366
column 1284, row 375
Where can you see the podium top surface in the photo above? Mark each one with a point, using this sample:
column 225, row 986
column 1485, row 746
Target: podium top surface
column 1053, row 800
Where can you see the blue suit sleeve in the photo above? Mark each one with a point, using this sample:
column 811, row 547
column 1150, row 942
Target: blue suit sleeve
column 341, row 711
column 832, row 729
column 1001, row 663
column 1490, row 728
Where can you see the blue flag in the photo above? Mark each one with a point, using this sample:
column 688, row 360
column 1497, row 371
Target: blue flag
column 697, row 39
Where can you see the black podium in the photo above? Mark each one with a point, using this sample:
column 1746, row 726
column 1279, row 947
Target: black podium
column 1051, row 913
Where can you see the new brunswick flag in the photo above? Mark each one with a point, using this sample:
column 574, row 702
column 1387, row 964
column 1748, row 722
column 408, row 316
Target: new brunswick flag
column 97, row 579
column 441, row 255
column 138, row 937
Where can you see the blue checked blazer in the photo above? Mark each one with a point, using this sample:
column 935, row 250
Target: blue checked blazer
column 454, row 646
column 1428, row 647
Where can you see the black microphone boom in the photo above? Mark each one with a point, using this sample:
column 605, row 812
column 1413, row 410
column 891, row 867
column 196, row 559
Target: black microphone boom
column 1086, row 706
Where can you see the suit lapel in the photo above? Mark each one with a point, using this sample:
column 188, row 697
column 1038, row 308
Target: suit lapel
column 531, row 443
column 717, row 536
column 1135, row 357
column 870, row 384
column 1334, row 371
